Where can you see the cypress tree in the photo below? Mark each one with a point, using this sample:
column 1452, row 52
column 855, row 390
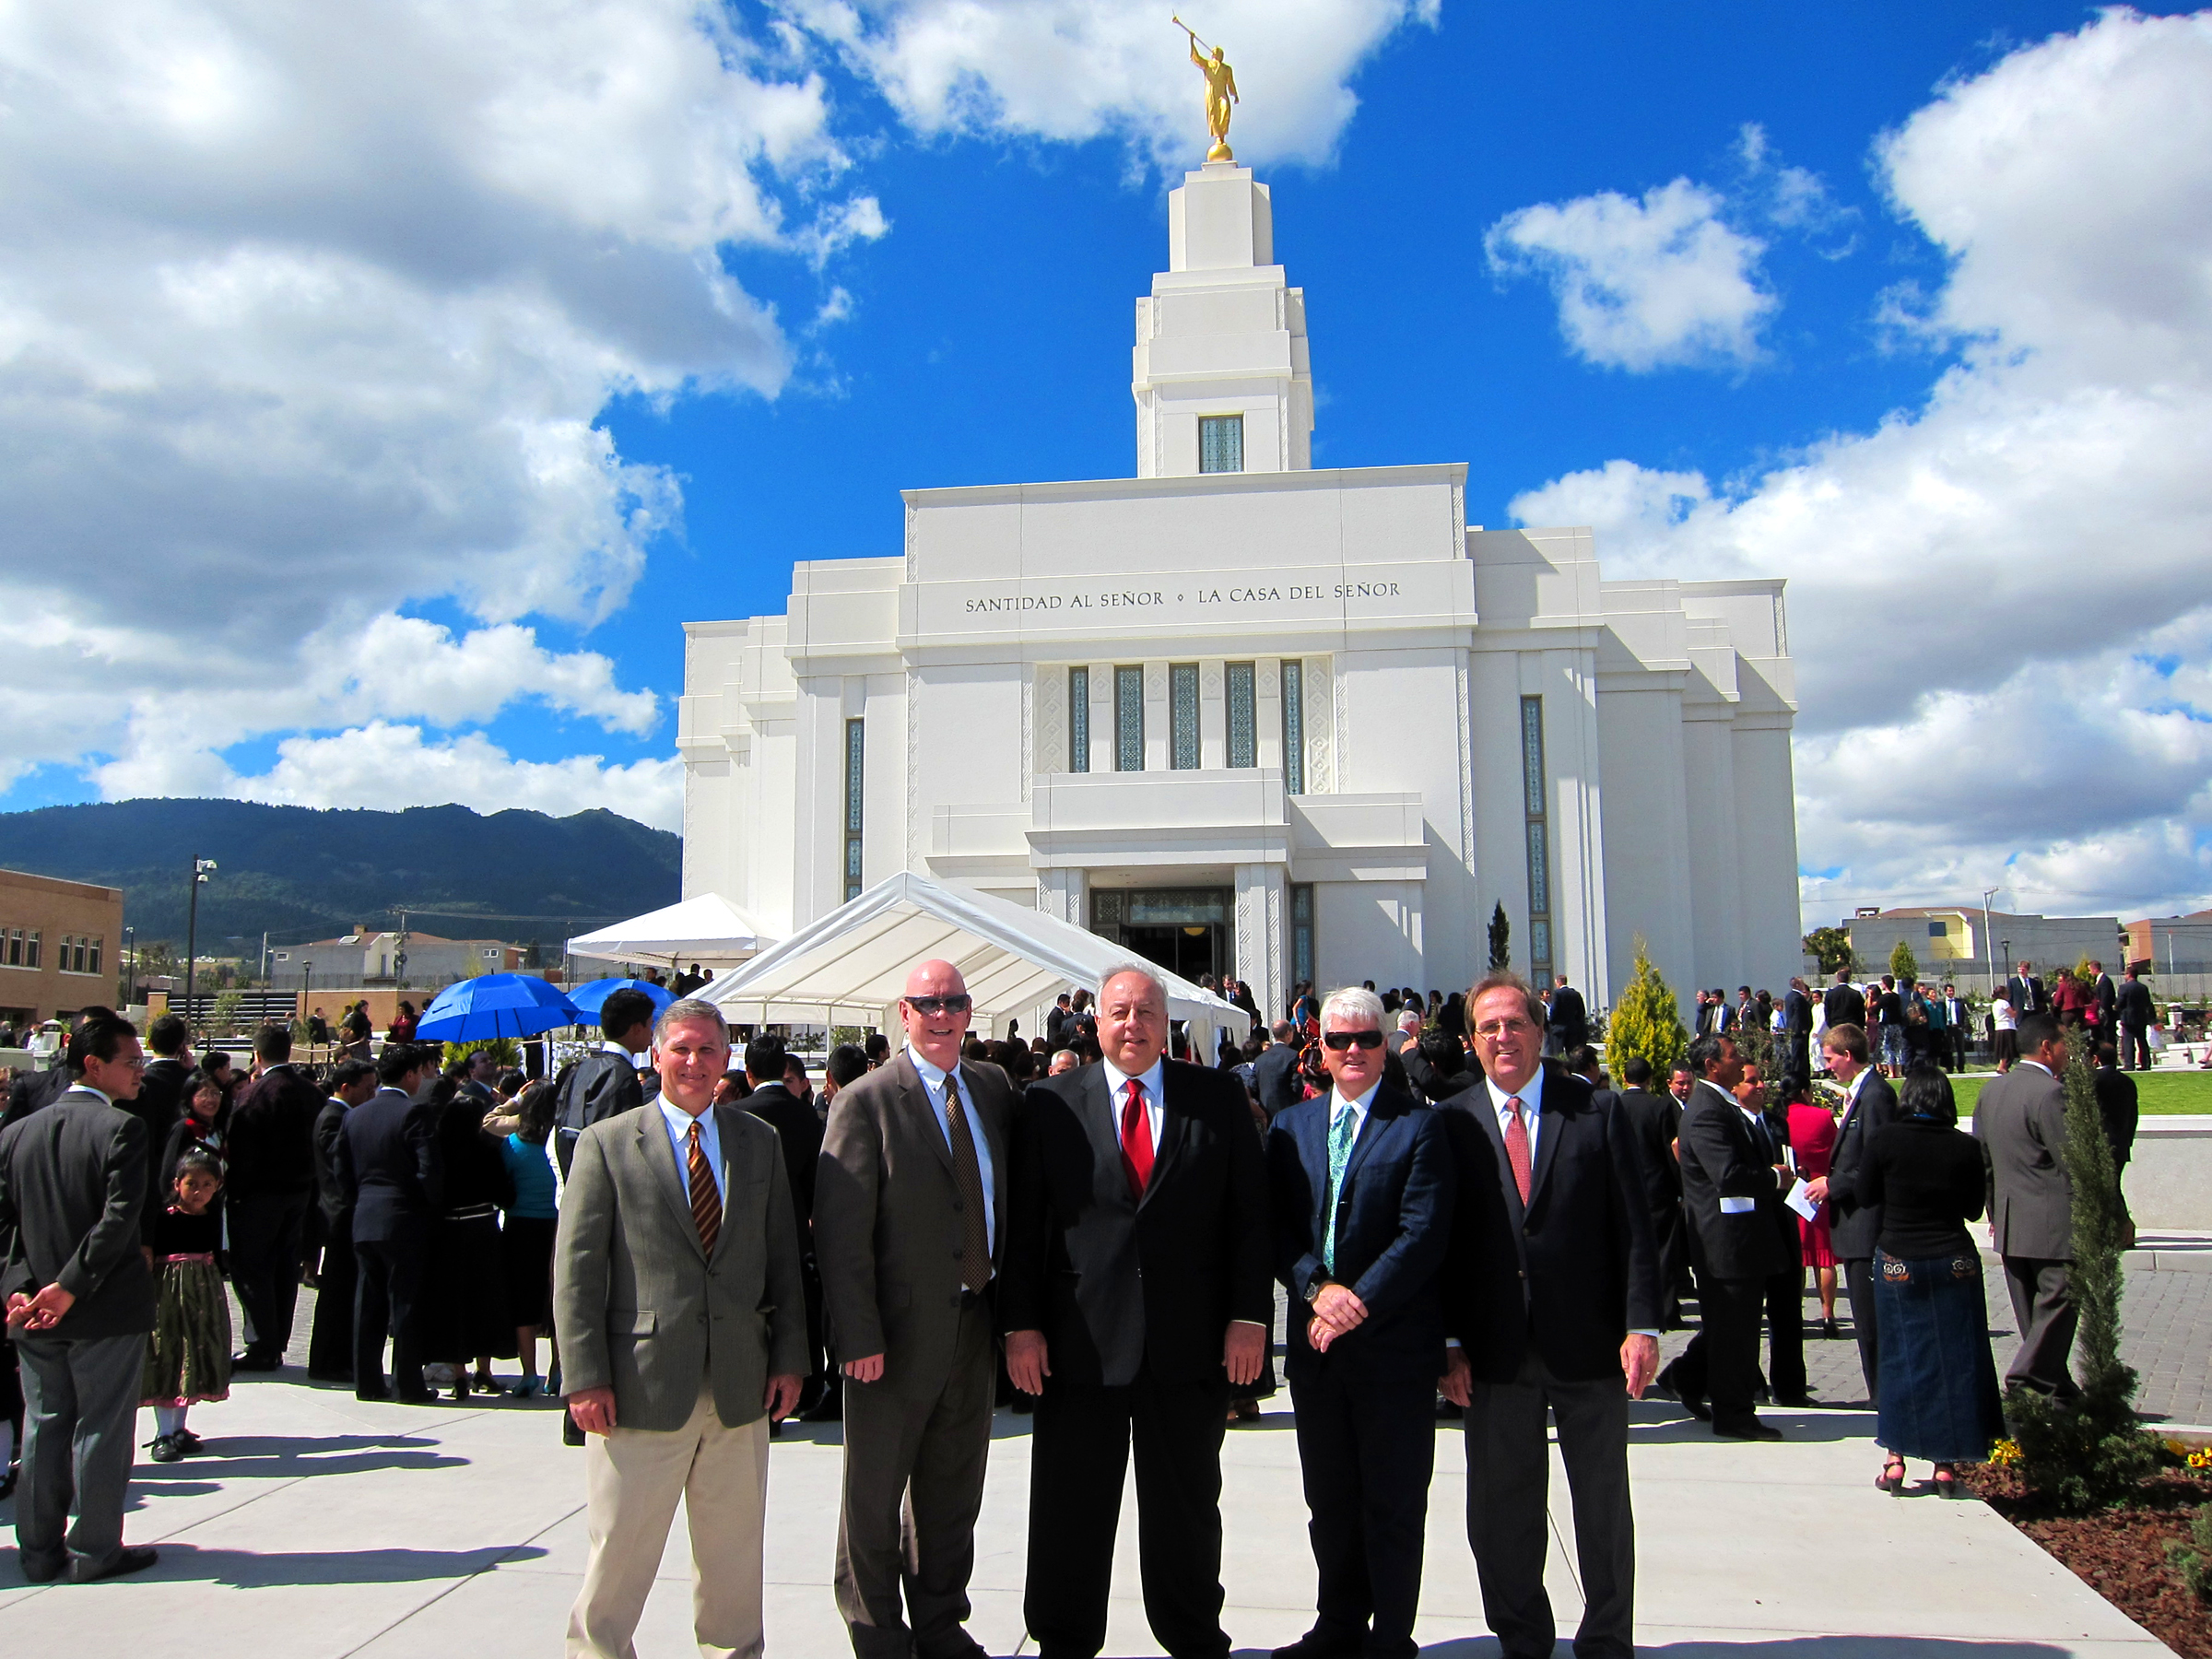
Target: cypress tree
column 1647, row 1021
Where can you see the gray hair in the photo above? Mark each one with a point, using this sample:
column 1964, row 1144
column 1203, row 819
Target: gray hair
column 1354, row 1002
column 688, row 1009
column 1146, row 970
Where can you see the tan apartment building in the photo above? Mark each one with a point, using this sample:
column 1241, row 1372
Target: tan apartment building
column 59, row 944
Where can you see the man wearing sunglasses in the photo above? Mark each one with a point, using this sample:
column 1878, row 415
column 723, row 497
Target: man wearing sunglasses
column 1136, row 1298
column 909, row 1207
column 1553, row 1288
column 1361, row 1182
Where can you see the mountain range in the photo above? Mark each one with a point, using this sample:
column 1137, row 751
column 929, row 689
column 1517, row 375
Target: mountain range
column 300, row 873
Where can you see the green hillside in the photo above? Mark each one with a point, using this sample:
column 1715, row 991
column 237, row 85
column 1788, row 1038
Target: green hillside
column 298, row 873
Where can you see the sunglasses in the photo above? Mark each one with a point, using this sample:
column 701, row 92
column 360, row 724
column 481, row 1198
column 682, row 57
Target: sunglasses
column 930, row 1006
column 1340, row 1041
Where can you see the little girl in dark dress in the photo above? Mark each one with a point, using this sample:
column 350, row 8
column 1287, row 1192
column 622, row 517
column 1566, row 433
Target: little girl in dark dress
column 189, row 1358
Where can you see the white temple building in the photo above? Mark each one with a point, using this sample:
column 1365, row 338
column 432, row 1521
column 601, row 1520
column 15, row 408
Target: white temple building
column 1246, row 716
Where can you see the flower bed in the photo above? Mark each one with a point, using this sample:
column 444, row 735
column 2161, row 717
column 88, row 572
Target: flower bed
column 2121, row 1553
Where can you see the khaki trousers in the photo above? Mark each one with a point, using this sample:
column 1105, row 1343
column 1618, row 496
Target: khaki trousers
column 632, row 1478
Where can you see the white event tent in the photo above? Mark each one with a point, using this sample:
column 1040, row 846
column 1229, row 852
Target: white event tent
column 852, row 965
column 706, row 928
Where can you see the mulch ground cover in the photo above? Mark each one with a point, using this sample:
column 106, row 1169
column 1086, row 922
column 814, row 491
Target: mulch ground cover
column 2120, row 1553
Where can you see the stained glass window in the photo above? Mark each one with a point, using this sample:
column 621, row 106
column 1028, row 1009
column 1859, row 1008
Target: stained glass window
column 1183, row 715
column 1220, row 443
column 1243, row 720
column 1294, row 729
column 1128, row 719
column 1079, row 720
column 1539, row 839
column 855, row 775
column 1301, row 934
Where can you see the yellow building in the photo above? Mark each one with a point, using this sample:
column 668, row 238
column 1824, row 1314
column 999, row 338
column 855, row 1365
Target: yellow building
column 59, row 941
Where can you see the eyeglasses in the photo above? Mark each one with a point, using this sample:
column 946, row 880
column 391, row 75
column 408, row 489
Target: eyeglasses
column 930, row 1006
column 1340, row 1041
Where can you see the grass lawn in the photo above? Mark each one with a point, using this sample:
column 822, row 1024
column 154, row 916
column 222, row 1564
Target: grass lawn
column 2157, row 1091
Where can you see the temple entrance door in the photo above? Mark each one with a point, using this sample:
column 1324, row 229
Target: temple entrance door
column 1190, row 950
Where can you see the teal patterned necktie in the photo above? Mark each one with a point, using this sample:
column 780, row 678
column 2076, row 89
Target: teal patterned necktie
column 1340, row 1153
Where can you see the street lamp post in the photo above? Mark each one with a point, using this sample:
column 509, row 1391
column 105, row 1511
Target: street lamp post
column 200, row 866
column 130, row 966
column 1989, row 959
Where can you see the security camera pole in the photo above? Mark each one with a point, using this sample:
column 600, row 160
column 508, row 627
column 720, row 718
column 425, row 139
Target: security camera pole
column 200, row 866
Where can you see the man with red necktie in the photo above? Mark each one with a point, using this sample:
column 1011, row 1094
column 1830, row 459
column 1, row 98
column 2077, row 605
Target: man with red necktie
column 1552, row 1300
column 1137, row 1293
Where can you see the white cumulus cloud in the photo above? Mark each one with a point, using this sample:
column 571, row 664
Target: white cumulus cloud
column 1998, row 597
column 1069, row 70
column 1659, row 282
column 306, row 316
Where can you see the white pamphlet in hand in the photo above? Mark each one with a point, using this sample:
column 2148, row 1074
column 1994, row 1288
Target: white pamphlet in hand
column 1800, row 1203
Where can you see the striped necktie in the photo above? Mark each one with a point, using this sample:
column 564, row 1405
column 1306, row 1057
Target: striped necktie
column 706, row 1203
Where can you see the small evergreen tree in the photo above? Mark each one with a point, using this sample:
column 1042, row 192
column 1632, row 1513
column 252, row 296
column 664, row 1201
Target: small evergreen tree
column 2091, row 1454
column 2193, row 1560
column 1647, row 1021
column 1501, row 939
column 505, row 1052
column 1904, row 964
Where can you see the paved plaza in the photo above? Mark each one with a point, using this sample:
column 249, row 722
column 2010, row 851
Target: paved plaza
column 321, row 1526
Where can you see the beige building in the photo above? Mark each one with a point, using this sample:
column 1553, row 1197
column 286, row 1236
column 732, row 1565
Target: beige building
column 59, row 944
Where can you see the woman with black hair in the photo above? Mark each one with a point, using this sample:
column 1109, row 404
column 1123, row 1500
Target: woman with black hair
column 1939, row 1383
column 465, row 1286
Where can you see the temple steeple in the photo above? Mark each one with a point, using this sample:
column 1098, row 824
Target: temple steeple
column 1220, row 374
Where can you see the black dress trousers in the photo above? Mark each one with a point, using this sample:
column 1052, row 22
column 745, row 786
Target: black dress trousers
column 1367, row 1446
column 1081, row 1443
column 388, row 1300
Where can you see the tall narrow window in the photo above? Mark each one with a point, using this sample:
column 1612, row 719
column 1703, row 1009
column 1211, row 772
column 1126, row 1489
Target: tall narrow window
column 1535, row 799
column 1183, row 715
column 14, row 948
column 1220, row 443
column 1079, row 720
column 1128, row 719
column 1294, row 728
column 95, row 967
column 1301, row 934
column 855, row 775
column 30, row 949
column 1244, row 718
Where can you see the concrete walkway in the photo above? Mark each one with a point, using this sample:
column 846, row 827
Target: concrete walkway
column 321, row 1526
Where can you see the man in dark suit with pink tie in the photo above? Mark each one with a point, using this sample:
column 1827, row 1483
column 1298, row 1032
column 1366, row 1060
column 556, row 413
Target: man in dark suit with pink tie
column 1553, row 1298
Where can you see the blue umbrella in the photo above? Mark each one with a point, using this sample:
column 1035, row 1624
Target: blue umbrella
column 589, row 998
column 495, row 1004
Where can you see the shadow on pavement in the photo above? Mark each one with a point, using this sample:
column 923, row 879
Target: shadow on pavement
column 280, row 1457
column 250, row 1570
column 1790, row 1647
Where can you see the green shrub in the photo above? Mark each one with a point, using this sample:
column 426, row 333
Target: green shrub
column 505, row 1052
column 2193, row 1560
column 1647, row 1021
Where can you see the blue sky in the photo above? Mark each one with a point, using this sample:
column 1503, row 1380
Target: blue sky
column 415, row 390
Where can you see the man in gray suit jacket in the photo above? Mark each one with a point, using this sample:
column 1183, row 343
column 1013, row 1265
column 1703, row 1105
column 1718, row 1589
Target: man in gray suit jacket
column 2020, row 1121
column 907, row 1207
column 80, row 1302
column 683, row 1331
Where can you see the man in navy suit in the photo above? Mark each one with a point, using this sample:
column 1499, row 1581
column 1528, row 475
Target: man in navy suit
column 1361, row 1183
column 391, row 1173
column 1553, row 1298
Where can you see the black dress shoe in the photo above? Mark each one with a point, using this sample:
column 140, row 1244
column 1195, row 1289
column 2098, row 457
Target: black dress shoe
column 1751, row 1429
column 256, row 1363
column 409, row 1397
column 1798, row 1402
column 372, row 1393
column 125, row 1561
column 1310, row 1646
column 43, row 1572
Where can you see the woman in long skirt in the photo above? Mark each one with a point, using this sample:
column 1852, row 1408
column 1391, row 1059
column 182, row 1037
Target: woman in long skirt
column 1938, row 1380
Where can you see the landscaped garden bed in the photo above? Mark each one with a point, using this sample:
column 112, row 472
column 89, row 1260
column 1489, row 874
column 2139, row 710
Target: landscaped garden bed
column 2121, row 1553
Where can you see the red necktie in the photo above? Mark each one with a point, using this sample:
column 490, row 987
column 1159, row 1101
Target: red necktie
column 1136, row 1140
column 1516, row 1144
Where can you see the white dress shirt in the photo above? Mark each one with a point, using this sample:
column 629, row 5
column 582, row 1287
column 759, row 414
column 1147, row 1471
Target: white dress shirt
column 679, row 1123
column 934, row 1075
column 1117, row 1095
column 1532, row 1109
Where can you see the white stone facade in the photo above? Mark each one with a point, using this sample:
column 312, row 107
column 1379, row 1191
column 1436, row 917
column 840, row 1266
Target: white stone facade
column 1311, row 701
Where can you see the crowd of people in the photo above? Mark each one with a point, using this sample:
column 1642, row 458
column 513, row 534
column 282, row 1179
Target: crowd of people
column 1466, row 1214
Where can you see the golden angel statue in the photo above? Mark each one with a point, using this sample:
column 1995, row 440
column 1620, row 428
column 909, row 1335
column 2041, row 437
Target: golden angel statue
column 1220, row 92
